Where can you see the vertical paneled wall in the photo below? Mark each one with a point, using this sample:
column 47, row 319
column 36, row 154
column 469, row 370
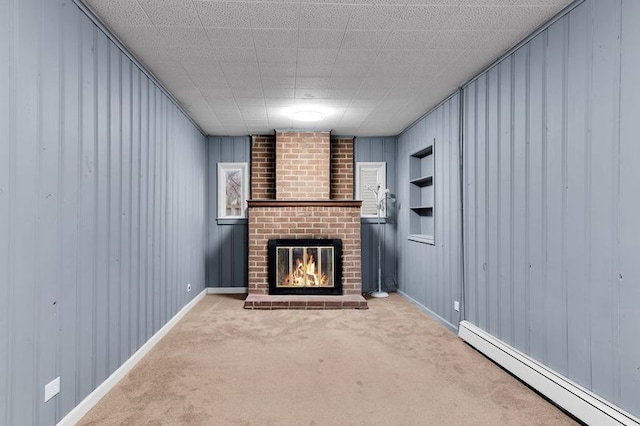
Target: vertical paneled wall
column 102, row 208
column 432, row 274
column 551, row 196
column 379, row 149
column 226, row 253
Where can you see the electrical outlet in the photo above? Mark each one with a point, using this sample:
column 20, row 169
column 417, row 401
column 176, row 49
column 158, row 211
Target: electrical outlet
column 188, row 287
column 456, row 306
column 51, row 389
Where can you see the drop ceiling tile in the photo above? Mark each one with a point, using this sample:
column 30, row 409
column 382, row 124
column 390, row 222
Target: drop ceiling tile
column 185, row 37
column 345, row 82
column 365, row 39
column 281, row 93
column 356, row 56
column 230, row 37
column 245, row 88
column 277, row 56
column 277, row 70
column 191, row 54
column 320, row 39
column 274, row 15
column 324, row 16
column 217, row 93
column 278, row 82
column 358, row 114
column 440, row 2
column 399, row 58
column 409, row 40
column 171, row 12
column 371, row 94
column 223, row 14
column 374, row 17
column 372, row 82
column 475, row 18
column 436, row 59
column 316, row 56
column 277, row 104
column 335, row 103
column 235, row 55
column 227, row 113
column 279, row 123
column 119, row 12
column 357, row 2
column 275, row 38
column 212, row 83
column 309, row 93
column 312, row 82
column 425, row 17
column 314, row 70
column 235, row 70
column 347, row 54
column 250, row 102
column 525, row 18
column 253, row 113
column 556, row 3
column 247, row 92
column 200, row 70
column 351, row 70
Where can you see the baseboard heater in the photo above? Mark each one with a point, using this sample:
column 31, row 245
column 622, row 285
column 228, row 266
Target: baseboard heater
column 573, row 398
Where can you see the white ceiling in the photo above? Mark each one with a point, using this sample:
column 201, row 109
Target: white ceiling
column 372, row 67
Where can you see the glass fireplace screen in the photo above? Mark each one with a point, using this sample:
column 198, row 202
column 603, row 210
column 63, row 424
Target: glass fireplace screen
column 305, row 266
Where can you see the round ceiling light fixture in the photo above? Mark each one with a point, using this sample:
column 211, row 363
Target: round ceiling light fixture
column 307, row 115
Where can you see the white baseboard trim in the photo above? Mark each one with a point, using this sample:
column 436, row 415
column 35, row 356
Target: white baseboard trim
column 94, row 397
column 227, row 290
column 582, row 403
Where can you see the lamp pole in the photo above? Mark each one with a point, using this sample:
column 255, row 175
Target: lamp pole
column 379, row 204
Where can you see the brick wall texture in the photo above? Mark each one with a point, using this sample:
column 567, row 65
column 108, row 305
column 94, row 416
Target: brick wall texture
column 303, row 165
column 300, row 222
column 342, row 169
column 263, row 167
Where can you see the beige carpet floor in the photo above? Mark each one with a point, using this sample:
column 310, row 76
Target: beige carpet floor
column 389, row 365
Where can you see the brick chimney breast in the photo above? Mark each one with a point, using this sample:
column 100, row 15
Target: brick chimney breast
column 313, row 189
column 303, row 165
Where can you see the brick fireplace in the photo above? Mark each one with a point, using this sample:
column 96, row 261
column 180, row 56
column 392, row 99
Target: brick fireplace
column 302, row 190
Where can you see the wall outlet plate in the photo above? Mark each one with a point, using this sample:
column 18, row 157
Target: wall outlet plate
column 456, row 306
column 188, row 287
column 51, row 389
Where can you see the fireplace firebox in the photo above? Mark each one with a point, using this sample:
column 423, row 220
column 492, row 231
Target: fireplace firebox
column 305, row 266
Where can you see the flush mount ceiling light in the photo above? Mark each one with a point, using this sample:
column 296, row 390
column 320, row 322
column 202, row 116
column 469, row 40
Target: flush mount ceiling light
column 307, row 115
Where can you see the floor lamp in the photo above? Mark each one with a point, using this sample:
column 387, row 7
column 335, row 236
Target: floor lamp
column 381, row 197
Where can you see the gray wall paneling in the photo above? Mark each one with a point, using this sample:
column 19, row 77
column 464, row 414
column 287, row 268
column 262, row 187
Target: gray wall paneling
column 432, row 274
column 102, row 208
column 550, row 190
column 379, row 149
column 226, row 255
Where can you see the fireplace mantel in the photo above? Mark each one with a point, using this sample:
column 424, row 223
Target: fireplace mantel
column 304, row 203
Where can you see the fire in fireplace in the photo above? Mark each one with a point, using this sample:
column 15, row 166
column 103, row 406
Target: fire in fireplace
column 309, row 266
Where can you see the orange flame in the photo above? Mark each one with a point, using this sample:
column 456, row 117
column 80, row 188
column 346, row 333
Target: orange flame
column 304, row 274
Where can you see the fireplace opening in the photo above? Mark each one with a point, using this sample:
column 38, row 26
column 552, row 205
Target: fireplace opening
column 306, row 266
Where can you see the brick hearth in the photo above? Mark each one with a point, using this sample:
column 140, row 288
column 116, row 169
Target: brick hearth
column 307, row 194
